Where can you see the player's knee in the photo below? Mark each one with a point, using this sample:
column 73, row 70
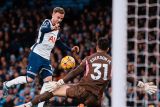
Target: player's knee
column 29, row 79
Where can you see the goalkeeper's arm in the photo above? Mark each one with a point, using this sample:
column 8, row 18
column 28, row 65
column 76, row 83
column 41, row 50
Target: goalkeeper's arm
column 51, row 86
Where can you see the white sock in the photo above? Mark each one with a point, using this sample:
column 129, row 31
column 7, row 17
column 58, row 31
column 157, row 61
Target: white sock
column 42, row 91
column 18, row 80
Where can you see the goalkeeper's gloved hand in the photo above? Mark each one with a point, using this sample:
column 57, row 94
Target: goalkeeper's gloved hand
column 53, row 85
column 148, row 87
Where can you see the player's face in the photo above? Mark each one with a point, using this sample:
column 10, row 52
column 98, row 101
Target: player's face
column 57, row 18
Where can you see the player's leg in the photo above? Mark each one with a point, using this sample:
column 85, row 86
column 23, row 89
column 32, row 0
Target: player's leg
column 8, row 84
column 47, row 95
column 68, row 91
column 78, row 92
column 46, row 73
column 72, row 91
column 32, row 70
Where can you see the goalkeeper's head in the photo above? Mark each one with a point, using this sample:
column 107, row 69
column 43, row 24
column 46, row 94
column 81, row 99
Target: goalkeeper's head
column 102, row 44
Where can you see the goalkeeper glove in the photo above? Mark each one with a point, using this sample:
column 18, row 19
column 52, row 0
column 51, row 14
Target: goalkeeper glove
column 148, row 87
column 53, row 85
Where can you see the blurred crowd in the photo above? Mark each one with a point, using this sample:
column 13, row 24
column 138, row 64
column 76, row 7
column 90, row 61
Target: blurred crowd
column 19, row 29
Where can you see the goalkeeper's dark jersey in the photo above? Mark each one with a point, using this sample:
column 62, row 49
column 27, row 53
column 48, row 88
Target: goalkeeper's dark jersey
column 97, row 72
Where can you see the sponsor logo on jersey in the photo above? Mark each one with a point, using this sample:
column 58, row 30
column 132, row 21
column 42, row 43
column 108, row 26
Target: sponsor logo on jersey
column 52, row 39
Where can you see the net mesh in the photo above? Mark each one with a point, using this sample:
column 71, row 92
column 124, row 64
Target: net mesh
column 143, row 50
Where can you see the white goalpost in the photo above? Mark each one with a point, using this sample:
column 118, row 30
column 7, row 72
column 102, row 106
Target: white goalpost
column 119, row 47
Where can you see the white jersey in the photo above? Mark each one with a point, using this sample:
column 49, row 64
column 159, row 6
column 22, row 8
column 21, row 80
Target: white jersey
column 46, row 40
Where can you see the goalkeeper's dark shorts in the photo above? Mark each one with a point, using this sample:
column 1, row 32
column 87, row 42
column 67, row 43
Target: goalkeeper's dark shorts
column 83, row 96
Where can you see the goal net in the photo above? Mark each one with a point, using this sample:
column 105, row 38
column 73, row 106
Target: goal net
column 143, row 48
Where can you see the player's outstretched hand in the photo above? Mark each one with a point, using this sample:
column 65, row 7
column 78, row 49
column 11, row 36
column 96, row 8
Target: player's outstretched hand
column 75, row 49
column 53, row 85
column 148, row 87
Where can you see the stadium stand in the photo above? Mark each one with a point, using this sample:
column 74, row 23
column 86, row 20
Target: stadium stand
column 19, row 23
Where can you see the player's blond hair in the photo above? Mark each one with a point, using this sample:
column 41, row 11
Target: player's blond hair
column 59, row 10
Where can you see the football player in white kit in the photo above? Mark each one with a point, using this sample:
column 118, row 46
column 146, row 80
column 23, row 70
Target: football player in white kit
column 39, row 57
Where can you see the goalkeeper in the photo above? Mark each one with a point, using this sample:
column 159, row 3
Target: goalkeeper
column 89, row 90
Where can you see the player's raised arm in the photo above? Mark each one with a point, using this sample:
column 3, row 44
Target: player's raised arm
column 63, row 46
